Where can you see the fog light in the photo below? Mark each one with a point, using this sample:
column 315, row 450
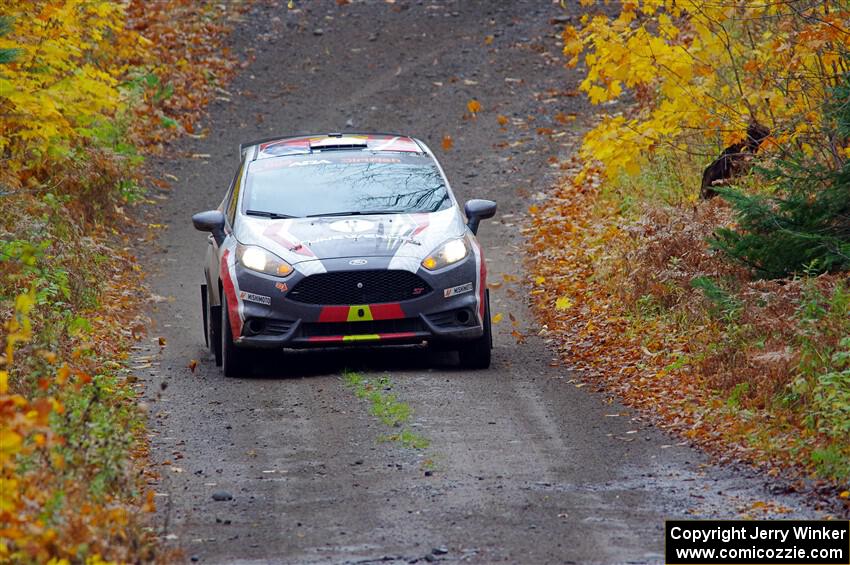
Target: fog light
column 253, row 327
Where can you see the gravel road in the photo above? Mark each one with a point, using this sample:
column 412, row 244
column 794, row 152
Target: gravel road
column 523, row 465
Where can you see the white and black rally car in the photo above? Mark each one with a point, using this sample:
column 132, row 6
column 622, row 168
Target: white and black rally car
column 343, row 239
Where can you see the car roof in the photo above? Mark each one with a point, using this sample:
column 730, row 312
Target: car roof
column 313, row 143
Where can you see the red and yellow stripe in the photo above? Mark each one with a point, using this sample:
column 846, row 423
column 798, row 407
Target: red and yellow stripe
column 361, row 313
column 360, row 337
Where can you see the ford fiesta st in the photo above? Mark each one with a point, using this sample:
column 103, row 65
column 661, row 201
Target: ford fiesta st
column 343, row 239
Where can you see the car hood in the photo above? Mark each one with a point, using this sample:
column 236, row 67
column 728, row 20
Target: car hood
column 389, row 235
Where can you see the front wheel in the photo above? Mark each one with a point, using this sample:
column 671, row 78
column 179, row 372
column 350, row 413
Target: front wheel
column 476, row 353
column 212, row 318
column 234, row 361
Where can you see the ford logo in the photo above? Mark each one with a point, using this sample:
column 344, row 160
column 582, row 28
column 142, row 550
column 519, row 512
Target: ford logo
column 358, row 262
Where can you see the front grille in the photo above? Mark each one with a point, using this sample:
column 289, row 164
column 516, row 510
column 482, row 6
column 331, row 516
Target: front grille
column 359, row 287
column 312, row 329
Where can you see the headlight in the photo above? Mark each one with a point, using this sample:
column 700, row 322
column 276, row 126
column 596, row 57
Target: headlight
column 258, row 259
column 448, row 253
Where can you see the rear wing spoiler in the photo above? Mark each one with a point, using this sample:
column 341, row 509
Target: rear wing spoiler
column 244, row 147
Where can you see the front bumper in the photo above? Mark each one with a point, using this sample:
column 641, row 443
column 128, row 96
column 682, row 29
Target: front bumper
column 270, row 319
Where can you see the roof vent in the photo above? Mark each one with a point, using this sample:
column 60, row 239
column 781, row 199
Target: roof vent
column 337, row 141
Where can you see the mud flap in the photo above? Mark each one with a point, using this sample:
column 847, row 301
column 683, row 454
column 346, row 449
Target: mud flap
column 204, row 310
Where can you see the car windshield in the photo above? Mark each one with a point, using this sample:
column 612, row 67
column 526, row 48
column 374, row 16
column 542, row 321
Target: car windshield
column 323, row 185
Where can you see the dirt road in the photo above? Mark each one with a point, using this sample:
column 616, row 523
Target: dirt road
column 523, row 466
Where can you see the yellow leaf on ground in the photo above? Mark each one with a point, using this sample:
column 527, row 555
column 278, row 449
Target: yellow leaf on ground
column 497, row 318
column 563, row 303
column 474, row 106
column 845, row 494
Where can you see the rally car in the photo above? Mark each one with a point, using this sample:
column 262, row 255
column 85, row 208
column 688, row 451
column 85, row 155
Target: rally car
column 343, row 239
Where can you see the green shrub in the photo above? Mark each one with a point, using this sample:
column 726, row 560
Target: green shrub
column 803, row 224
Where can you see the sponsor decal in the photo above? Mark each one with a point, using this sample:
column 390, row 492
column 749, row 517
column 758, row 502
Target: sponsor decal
column 391, row 239
column 358, row 262
column 396, row 231
column 258, row 298
column 352, row 226
column 309, row 162
column 371, row 160
column 281, row 286
column 454, row 291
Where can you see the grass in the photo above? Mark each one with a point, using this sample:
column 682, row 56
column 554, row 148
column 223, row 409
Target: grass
column 387, row 408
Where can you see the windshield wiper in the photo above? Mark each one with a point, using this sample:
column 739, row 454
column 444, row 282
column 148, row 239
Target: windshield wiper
column 356, row 213
column 265, row 214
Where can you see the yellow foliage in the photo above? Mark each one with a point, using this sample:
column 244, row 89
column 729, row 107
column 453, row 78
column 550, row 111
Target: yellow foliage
column 704, row 70
column 71, row 54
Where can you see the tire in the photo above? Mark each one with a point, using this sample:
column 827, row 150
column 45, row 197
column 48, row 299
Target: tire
column 213, row 318
column 234, row 361
column 476, row 353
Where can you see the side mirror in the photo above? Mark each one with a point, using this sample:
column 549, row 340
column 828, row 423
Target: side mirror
column 210, row 221
column 477, row 210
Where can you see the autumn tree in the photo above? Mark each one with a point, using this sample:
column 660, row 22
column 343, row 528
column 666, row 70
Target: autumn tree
column 700, row 71
column 61, row 75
